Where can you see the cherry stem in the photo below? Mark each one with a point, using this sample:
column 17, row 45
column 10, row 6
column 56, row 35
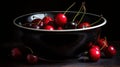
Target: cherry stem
column 105, row 44
column 30, row 49
column 84, row 11
column 39, row 22
column 69, row 8
column 78, row 12
column 97, row 20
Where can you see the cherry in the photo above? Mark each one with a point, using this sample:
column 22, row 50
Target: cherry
column 102, row 42
column 87, row 24
column 110, row 51
column 47, row 19
column 32, row 59
column 84, row 25
column 89, row 45
column 96, row 47
column 38, row 22
column 94, row 53
column 16, row 53
column 49, row 27
column 60, row 19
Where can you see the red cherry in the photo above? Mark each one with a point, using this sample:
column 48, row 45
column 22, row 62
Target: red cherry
column 60, row 19
column 96, row 47
column 16, row 53
column 47, row 19
column 94, row 54
column 49, row 27
column 92, row 45
column 84, row 25
column 102, row 42
column 36, row 23
column 32, row 58
column 110, row 51
column 89, row 45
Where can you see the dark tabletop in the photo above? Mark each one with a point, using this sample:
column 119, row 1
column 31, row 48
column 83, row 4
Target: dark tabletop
column 5, row 61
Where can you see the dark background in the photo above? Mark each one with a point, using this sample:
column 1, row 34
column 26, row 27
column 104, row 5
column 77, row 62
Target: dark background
column 13, row 9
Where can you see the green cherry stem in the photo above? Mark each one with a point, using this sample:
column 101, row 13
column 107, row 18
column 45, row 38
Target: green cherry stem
column 97, row 20
column 105, row 44
column 30, row 49
column 84, row 11
column 78, row 12
column 69, row 8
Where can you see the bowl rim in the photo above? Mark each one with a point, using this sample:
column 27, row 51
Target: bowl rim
column 64, row 30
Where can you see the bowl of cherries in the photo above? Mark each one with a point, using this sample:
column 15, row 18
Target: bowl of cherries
column 59, row 34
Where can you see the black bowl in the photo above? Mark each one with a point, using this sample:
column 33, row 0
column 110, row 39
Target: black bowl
column 59, row 44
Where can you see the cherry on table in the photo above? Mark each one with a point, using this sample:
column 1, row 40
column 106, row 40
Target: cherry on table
column 110, row 51
column 102, row 42
column 94, row 54
column 16, row 53
column 32, row 59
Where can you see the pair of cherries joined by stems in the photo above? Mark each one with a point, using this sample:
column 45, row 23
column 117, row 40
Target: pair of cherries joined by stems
column 21, row 53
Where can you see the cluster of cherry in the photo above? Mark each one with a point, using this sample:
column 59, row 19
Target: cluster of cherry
column 60, row 21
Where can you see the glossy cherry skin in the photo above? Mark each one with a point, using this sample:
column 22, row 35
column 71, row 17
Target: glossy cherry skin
column 94, row 54
column 84, row 25
column 49, row 27
column 16, row 53
column 60, row 19
column 110, row 51
column 32, row 59
column 96, row 47
column 47, row 19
